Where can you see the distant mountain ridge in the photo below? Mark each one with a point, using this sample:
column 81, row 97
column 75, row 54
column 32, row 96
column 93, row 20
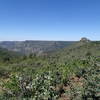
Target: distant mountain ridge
column 39, row 47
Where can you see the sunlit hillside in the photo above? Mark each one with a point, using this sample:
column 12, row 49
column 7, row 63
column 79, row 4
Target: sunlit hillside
column 71, row 73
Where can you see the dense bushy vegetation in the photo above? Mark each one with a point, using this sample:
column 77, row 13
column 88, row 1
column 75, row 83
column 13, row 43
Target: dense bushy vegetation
column 70, row 74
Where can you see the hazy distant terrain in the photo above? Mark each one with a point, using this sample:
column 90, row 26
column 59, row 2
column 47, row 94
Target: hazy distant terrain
column 27, row 47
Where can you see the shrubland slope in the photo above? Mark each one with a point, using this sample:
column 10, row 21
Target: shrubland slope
column 71, row 73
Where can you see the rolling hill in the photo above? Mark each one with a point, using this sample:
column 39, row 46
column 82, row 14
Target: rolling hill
column 78, row 50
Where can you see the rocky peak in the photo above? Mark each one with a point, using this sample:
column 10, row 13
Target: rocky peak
column 84, row 39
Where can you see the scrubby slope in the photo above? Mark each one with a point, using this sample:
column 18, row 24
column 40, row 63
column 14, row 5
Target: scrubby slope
column 79, row 50
column 72, row 73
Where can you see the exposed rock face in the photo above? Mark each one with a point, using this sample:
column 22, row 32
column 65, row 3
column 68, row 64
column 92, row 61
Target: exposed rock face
column 84, row 39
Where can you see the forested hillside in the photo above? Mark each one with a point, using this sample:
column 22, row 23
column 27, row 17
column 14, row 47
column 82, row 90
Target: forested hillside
column 71, row 73
column 7, row 56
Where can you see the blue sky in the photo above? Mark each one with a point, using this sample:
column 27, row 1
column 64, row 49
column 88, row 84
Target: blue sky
column 49, row 19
